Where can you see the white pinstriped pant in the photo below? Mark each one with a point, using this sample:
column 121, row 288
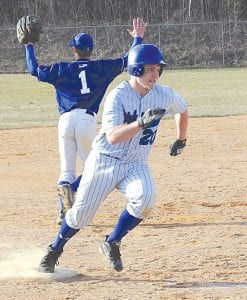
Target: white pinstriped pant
column 101, row 175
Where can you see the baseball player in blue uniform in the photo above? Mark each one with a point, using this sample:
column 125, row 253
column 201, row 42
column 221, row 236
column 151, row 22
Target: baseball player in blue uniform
column 80, row 87
column 118, row 159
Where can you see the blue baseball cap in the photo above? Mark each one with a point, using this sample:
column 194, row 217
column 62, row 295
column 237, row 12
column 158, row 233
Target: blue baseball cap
column 83, row 42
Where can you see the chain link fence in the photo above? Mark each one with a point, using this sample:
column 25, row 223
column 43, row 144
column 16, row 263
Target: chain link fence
column 187, row 45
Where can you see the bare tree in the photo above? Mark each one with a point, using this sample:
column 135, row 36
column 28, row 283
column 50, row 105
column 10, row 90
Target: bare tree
column 89, row 12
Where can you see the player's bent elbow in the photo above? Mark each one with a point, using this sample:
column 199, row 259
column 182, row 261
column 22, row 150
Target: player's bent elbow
column 111, row 139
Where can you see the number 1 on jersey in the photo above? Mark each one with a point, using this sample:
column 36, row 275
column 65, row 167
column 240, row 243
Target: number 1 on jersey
column 85, row 89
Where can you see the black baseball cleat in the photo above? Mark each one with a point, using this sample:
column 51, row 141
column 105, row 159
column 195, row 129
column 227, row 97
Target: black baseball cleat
column 50, row 260
column 112, row 253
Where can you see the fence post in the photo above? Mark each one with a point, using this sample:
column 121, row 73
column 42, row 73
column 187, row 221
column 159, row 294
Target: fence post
column 222, row 43
column 95, row 36
column 159, row 35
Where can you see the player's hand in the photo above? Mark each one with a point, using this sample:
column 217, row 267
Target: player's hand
column 177, row 147
column 139, row 28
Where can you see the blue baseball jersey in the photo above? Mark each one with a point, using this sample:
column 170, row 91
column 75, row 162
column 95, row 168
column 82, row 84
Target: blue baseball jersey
column 78, row 84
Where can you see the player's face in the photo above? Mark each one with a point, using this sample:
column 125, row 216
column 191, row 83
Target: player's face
column 150, row 76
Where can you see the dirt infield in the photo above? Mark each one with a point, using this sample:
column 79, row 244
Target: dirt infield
column 193, row 246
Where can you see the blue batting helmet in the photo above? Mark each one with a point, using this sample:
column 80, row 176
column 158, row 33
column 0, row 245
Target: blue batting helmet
column 83, row 42
column 144, row 54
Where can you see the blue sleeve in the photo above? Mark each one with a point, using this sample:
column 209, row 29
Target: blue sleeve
column 50, row 73
column 31, row 60
column 137, row 41
column 43, row 73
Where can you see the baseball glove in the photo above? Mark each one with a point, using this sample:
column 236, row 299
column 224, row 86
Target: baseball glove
column 28, row 29
column 177, row 147
column 150, row 116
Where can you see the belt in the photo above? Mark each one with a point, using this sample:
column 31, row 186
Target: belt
column 90, row 112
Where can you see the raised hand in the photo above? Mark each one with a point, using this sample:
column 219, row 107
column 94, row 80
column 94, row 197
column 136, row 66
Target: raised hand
column 139, row 28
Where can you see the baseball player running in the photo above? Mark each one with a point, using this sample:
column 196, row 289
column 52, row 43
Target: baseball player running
column 80, row 87
column 118, row 158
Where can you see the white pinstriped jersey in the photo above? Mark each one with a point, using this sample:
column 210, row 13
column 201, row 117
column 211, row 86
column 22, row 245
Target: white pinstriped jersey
column 122, row 166
column 125, row 105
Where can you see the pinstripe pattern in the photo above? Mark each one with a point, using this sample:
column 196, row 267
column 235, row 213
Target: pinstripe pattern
column 122, row 166
column 102, row 174
column 125, row 99
column 138, row 187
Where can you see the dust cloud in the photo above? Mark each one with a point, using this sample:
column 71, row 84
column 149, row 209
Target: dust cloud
column 23, row 263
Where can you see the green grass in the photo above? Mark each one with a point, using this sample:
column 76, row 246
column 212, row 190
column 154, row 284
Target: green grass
column 211, row 92
column 25, row 102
